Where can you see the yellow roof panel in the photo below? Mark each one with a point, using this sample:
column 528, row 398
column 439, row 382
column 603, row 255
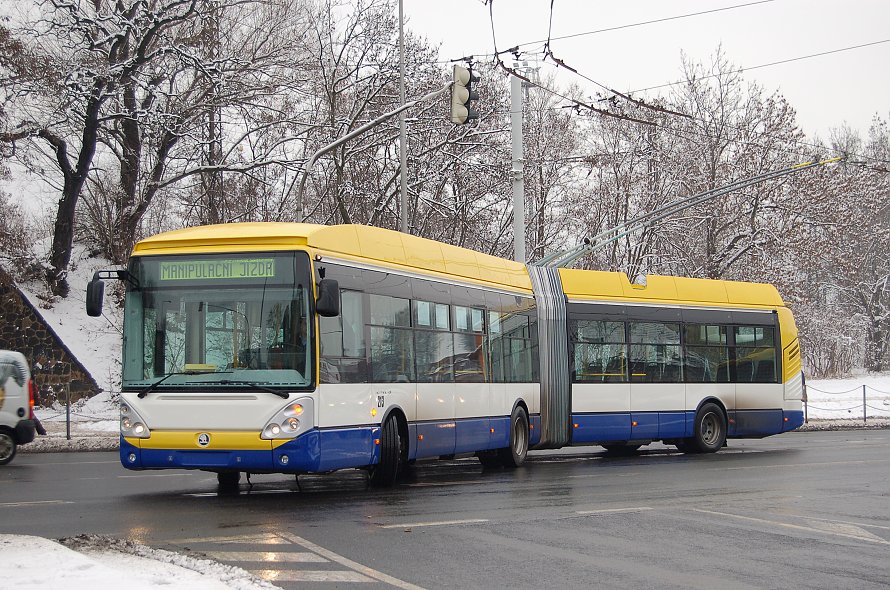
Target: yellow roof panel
column 370, row 245
column 609, row 286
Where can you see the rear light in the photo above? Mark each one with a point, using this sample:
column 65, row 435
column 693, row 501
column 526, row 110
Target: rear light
column 32, row 393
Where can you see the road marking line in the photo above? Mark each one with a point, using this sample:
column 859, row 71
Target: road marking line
column 443, row 483
column 35, row 503
column 265, row 539
column 272, row 556
column 411, row 525
column 869, row 538
column 362, row 569
column 157, row 475
column 593, row 475
column 607, row 511
column 871, row 526
column 310, row 576
column 787, row 465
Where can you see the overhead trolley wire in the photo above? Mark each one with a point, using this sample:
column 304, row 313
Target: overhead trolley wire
column 766, row 65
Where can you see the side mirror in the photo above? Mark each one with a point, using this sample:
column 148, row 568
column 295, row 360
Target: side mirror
column 95, row 293
column 328, row 303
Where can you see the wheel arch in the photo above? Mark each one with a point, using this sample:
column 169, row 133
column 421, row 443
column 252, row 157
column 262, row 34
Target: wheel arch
column 520, row 402
column 716, row 401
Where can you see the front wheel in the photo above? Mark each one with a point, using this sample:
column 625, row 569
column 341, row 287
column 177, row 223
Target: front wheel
column 710, row 429
column 514, row 455
column 228, row 479
column 386, row 471
column 7, row 447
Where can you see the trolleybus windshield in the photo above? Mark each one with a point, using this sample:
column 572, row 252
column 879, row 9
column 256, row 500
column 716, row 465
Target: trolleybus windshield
column 219, row 322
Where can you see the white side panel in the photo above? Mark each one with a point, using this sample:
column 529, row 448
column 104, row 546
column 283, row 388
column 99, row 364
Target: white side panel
column 759, row 396
column 601, row 397
column 500, row 405
column 530, row 393
column 472, row 400
column 657, row 397
column 351, row 404
column 794, row 388
column 696, row 392
column 435, row 401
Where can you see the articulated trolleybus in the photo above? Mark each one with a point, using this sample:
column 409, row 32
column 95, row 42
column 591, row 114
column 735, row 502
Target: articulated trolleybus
column 297, row 348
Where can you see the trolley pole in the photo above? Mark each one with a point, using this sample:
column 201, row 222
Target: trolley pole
column 403, row 139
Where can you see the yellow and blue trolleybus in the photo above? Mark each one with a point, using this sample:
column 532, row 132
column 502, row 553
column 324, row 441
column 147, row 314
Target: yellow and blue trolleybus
column 299, row 348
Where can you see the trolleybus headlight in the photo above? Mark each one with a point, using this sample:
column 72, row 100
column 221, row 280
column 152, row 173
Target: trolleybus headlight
column 132, row 424
column 290, row 421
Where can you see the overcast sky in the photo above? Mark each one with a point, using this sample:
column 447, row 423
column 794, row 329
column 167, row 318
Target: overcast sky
column 827, row 91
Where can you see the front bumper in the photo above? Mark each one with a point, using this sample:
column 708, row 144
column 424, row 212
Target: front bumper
column 312, row 452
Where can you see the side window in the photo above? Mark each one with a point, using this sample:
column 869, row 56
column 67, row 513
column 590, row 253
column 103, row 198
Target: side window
column 755, row 354
column 343, row 353
column 517, row 345
column 600, row 351
column 433, row 345
column 655, row 353
column 469, row 353
column 392, row 343
column 706, row 358
column 495, row 347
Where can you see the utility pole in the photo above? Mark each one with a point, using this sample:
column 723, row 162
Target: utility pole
column 403, row 139
column 518, row 184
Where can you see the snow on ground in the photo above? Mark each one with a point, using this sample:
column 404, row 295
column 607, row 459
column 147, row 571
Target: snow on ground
column 96, row 342
column 88, row 562
column 835, row 399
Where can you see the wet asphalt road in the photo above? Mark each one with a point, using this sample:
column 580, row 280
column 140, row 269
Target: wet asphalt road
column 798, row 510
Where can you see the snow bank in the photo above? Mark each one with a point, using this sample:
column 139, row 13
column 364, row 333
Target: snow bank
column 87, row 562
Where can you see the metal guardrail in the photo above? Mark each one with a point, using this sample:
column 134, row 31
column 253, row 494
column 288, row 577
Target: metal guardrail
column 877, row 412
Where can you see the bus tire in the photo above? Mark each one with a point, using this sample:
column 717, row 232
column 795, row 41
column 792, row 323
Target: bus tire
column 514, row 455
column 7, row 446
column 710, row 429
column 489, row 459
column 228, row 479
column 385, row 473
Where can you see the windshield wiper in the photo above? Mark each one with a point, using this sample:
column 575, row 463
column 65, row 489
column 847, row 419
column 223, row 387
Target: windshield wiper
column 154, row 385
column 259, row 386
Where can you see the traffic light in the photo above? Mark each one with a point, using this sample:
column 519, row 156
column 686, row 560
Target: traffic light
column 461, row 94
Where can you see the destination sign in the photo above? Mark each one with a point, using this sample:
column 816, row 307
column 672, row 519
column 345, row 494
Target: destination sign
column 191, row 270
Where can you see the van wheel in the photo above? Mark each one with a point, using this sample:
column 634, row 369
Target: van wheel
column 384, row 474
column 710, row 429
column 514, row 455
column 7, row 447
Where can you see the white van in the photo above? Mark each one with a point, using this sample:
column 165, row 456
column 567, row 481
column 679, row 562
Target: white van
column 16, row 404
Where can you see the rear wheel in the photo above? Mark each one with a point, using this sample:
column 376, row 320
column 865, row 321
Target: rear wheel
column 621, row 449
column 489, row 458
column 7, row 447
column 514, row 455
column 228, row 479
column 710, row 430
column 384, row 474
